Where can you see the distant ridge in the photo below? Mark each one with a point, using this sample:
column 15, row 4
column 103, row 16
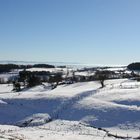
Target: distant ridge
column 34, row 62
column 71, row 64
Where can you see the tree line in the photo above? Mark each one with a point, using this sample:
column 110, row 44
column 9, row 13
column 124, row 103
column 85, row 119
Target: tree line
column 8, row 67
column 30, row 79
column 134, row 66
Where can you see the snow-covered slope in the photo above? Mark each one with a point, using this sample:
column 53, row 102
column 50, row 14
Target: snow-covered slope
column 82, row 106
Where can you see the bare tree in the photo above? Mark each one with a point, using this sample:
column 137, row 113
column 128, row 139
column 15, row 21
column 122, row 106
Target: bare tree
column 102, row 76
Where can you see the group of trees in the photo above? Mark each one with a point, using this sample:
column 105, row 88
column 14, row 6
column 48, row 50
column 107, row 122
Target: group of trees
column 30, row 79
column 55, row 78
column 27, row 78
column 43, row 66
column 9, row 67
column 134, row 66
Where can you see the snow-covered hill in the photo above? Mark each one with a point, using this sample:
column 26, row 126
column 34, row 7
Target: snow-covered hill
column 77, row 111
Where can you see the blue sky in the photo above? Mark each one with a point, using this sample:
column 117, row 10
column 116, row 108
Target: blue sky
column 85, row 31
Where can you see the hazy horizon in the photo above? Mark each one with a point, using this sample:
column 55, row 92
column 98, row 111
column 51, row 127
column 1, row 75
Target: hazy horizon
column 76, row 64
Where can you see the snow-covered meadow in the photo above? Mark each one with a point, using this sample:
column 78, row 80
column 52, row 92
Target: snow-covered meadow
column 71, row 111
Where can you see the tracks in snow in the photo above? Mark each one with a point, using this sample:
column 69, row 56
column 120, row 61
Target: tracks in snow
column 67, row 103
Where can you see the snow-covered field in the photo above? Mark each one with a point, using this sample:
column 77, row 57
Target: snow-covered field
column 80, row 111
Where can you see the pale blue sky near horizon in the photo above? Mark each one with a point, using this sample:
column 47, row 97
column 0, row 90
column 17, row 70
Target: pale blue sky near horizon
column 81, row 31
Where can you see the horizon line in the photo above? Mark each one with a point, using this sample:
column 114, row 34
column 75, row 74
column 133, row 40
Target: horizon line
column 56, row 63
